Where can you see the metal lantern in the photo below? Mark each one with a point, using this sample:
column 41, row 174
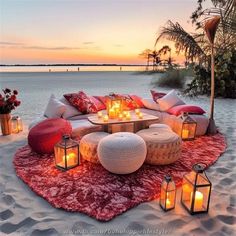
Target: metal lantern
column 168, row 193
column 66, row 153
column 189, row 126
column 196, row 190
column 114, row 106
column 16, row 124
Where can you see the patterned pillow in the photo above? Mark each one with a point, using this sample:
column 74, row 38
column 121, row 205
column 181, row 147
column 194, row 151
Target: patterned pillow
column 81, row 102
column 128, row 102
column 100, row 105
column 156, row 95
column 102, row 99
column 138, row 101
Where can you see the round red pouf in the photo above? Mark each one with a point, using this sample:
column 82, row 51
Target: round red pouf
column 43, row 136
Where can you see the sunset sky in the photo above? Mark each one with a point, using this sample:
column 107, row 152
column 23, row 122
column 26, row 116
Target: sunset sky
column 85, row 31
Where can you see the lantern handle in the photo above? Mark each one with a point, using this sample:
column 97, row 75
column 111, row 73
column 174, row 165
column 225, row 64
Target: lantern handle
column 199, row 167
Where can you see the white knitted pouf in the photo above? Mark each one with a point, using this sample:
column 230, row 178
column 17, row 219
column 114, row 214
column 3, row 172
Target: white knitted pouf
column 163, row 145
column 122, row 152
column 88, row 146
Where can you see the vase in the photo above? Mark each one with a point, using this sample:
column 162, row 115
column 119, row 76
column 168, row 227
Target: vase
column 5, row 120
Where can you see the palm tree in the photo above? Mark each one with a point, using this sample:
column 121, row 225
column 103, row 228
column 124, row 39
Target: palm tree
column 195, row 46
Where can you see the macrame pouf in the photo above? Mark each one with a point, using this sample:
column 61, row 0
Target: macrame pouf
column 122, row 152
column 163, row 145
column 88, row 146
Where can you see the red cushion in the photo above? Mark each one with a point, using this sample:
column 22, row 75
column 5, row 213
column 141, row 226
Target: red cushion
column 128, row 102
column 81, row 102
column 99, row 105
column 138, row 101
column 177, row 110
column 156, row 95
column 43, row 136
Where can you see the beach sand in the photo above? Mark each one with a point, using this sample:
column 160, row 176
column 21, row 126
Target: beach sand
column 22, row 212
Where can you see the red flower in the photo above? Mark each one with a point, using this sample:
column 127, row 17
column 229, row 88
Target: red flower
column 7, row 90
column 8, row 101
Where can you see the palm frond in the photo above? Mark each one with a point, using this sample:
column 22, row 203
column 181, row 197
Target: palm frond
column 184, row 41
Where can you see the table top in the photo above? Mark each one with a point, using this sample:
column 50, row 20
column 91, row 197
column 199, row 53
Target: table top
column 134, row 118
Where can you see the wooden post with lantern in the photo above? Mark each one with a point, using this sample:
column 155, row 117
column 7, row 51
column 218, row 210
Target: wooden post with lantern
column 189, row 127
column 196, row 191
column 168, row 193
column 66, row 153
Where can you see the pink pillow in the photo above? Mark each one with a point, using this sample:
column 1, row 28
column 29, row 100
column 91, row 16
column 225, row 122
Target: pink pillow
column 81, row 102
column 156, row 95
column 177, row 110
column 100, row 105
column 138, row 101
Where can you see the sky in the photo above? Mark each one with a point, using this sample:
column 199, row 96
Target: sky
column 85, row 31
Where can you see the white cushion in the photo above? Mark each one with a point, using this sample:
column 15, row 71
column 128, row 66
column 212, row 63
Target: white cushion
column 70, row 110
column 171, row 99
column 150, row 104
column 55, row 108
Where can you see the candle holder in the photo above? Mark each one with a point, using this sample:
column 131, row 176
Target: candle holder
column 66, row 153
column 196, row 191
column 16, row 124
column 114, row 105
column 168, row 193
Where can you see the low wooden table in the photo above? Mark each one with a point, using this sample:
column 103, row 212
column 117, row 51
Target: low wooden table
column 135, row 120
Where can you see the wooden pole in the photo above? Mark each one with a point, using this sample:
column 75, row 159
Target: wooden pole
column 212, row 127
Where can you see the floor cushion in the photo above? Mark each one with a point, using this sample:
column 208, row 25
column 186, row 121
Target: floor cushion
column 122, row 152
column 43, row 136
column 163, row 145
column 88, row 146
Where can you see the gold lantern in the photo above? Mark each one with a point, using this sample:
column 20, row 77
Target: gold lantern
column 114, row 106
column 66, row 153
column 189, row 126
column 196, row 191
column 16, row 124
column 168, row 193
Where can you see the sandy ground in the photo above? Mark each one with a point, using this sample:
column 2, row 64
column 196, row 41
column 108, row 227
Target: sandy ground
column 22, row 212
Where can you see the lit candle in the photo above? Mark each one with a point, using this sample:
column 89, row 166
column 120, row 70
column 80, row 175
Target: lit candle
column 168, row 202
column 99, row 114
column 105, row 118
column 112, row 113
column 140, row 115
column 137, row 111
column 120, row 117
column 198, row 200
column 128, row 116
column 70, row 158
column 185, row 133
column 124, row 113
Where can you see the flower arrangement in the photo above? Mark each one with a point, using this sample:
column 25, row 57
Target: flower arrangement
column 8, row 101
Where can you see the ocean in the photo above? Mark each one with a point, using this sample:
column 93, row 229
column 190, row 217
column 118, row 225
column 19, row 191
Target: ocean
column 35, row 88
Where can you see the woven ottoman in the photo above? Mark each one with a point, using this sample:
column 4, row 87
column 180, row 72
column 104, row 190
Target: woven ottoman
column 163, row 145
column 88, row 146
column 43, row 136
column 122, row 152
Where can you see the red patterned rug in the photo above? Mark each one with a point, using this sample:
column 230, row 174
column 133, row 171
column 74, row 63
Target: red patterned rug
column 90, row 189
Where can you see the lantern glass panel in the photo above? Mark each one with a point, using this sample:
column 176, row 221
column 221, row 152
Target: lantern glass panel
column 114, row 106
column 66, row 154
column 201, row 199
column 189, row 126
column 17, row 124
column 196, row 191
column 168, row 195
